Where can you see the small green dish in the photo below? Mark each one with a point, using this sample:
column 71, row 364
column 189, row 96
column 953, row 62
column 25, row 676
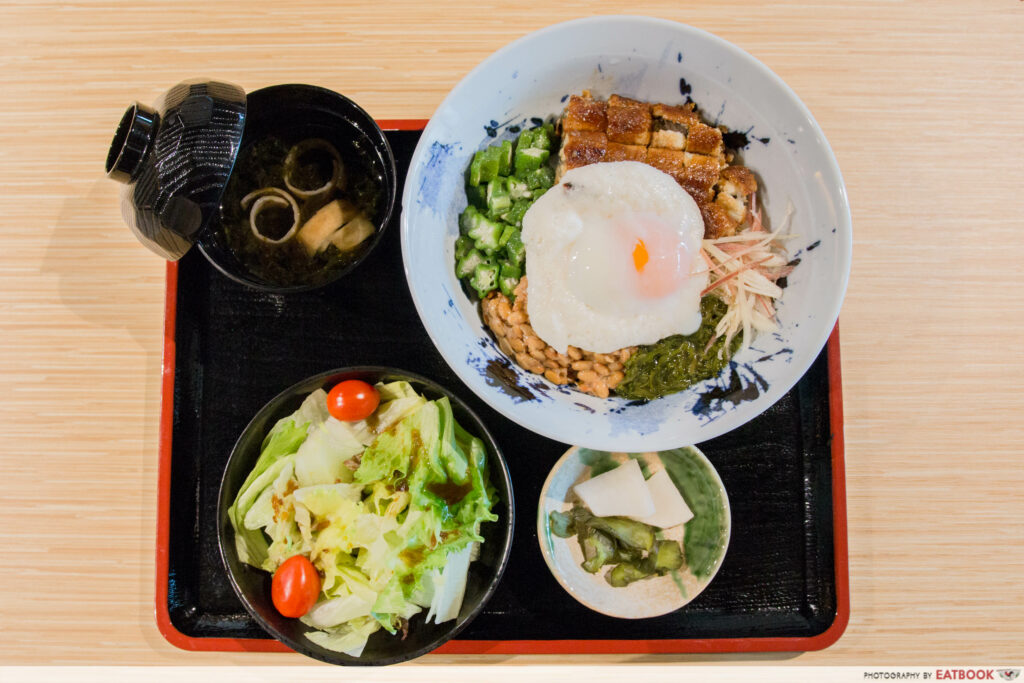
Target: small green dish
column 704, row 539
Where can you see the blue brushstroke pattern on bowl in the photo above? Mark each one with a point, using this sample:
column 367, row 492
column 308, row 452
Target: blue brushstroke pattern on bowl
column 658, row 61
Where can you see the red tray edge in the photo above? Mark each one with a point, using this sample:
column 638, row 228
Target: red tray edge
column 505, row 647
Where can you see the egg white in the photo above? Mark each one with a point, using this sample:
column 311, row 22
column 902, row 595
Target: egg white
column 581, row 277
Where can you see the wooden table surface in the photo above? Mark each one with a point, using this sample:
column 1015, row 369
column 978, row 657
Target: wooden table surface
column 923, row 103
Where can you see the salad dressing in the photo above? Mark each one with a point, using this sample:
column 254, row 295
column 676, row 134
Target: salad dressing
column 450, row 492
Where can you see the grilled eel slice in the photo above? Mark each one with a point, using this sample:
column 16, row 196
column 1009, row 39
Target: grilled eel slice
column 670, row 138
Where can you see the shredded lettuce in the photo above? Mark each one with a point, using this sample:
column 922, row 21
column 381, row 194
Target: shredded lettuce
column 388, row 509
column 336, row 611
column 397, row 400
column 261, row 514
column 283, row 440
column 314, row 408
column 392, row 606
column 321, row 458
column 349, row 638
column 450, row 587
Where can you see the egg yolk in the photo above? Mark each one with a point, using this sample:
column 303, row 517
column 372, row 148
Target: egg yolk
column 640, row 256
column 660, row 258
column 628, row 262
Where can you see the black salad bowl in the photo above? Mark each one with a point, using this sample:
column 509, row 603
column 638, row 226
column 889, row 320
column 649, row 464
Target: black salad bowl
column 253, row 585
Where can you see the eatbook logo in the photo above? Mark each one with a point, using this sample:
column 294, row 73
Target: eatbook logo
column 1008, row 674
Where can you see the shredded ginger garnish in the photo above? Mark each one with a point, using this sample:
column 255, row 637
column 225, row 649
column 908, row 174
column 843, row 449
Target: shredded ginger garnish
column 744, row 269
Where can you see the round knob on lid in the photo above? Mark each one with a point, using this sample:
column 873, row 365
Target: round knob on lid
column 131, row 142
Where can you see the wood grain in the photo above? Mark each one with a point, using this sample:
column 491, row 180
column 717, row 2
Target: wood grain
column 923, row 103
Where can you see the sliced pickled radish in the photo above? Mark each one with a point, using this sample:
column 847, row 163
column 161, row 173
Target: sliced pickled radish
column 619, row 492
column 670, row 509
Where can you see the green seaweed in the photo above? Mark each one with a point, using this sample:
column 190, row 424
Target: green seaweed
column 680, row 361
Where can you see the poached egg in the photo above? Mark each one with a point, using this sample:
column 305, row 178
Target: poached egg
column 613, row 258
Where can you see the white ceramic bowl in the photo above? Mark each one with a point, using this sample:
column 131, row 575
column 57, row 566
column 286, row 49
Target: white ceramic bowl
column 647, row 598
column 642, row 58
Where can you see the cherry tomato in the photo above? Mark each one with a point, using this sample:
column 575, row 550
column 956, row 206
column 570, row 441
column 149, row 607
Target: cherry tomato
column 295, row 587
column 352, row 400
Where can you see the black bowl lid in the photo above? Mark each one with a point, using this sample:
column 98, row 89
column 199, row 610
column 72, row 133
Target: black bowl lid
column 175, row 160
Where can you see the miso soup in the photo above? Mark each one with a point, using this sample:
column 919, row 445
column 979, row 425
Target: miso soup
column 297, row 209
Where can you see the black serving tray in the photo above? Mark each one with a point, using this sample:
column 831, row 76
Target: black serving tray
column 230, row 349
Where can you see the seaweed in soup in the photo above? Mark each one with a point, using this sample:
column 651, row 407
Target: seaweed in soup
column 273, row 255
